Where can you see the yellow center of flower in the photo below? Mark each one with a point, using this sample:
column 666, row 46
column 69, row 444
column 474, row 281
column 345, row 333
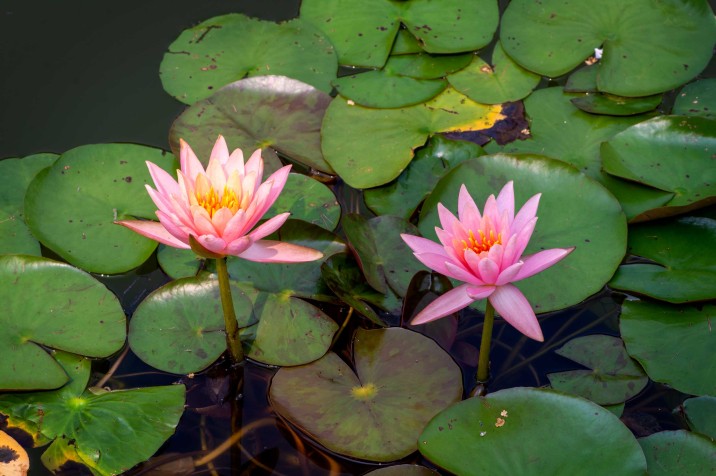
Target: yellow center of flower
column 212, row 202
column 483, row 242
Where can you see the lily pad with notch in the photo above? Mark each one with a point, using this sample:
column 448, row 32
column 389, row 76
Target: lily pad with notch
column 375, row 413
column 701, row 415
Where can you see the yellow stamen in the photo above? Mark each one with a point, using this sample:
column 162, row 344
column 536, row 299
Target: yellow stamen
column 483, row 243
column 212, row 202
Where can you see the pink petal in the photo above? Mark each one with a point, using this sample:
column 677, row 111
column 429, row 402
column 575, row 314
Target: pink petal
column 480, row 292
column 202, row 221
column 512, row 305
column 161, row 201
column 490, row 211
column 446, row 238
column 459, row 272
column 448, row 221
column 165, row 183
column 540, row 261
column 526, row 213
column 220, row 151
column 153, row 230
column 506, row 200
column 269, row 226
column 521, row 242
column 489, row 271
column 190, row 164
column 467, row 210
column 255, row 165
column 509, row 274
column 267, row 251
column 238, row 246
column 235, row 163
column 212, row 243
column 215, row 170
column 422, row 245
column 174, row 229
column 220, row 219
column 450, row 302
column 236, row 226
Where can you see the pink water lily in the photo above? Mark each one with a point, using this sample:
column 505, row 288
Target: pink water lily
column 485, row 252
column 214, row 211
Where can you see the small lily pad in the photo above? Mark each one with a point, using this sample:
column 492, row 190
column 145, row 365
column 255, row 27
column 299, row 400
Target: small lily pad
column 678, row 452
column 403, row 196
column 258, row 113
column 227, row 48
column 674, row 344
column 603, row 103
column 683, row 252
column 179, row 263
column 613, row 377
column 307, row 200
column 701, row 415
column 72, row 205
column 557, row 434
column 58, row 306
column 394, row 134
column 697, row 99
column 401, row 380
column 502, row 80
column 380, row 89
column 107, row 431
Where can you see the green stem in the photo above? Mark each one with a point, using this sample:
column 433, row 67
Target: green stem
column 483, row 364
column 233, row 343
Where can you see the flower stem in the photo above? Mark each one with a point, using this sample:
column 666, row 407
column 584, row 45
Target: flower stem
column 483, row 364
column 233, row 343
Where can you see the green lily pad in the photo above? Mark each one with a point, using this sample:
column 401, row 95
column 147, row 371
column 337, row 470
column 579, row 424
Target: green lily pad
column 227, row 48
column 697, row 99
column 403, row 470
column 603, row 103
column 107, row 431
column 394, row 134
column 582, row 80
column 308, row 200
column 674, row 344
column 678, row 452
column 574, row 211
column 179, row 328
column 401, row 380
column 557, row 434
column 562, row 131
column 670, row 153
column 403, row 196
column 701, row 415
column 269, row 111
column 501, row 81
column 648, row 47
column 405, row 43
column 72, row 205
column 683, row 253
column 16, row 237
column 613, row 377
column 58, row 306
column 363, row 31
column 427, row 66
column 179, row 263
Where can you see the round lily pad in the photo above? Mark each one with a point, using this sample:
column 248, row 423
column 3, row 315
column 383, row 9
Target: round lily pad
column 179, row 328
column 401, row 380
column 670, row 153
column 648, row 47
column 227, row 48
column 394, row 134
column 363, row 31
column 574, row 210
column 501, row 81
column 679, row 452
column 179, row 263
column 308, row 200
column 701, row 415
column 58, row 306
column 257, row 113
column 613, row 377
column 381, row 89
column 402, row 196
column 674, row 344
column 683, row 252
column 556, row 434
column 107, row 431
column 697, row 99
column 72, row 205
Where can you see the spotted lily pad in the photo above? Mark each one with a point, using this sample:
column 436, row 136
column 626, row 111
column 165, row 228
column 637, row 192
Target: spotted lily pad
column 394, row 134
column 701, row 415
column 557, row 434
column 648, row 47
column 308, row 200
column 613, row 377
column 674, row 344
column 697, row 99
column 107, row 431
column 57, row 306
column 683, row 256
column 227, row 48
column 502, row 80
column 403, row 196
column 72, row 205
column 363, row 31
column 574, row 210
column 401, row 380
column 679, row 452
column 265, row 112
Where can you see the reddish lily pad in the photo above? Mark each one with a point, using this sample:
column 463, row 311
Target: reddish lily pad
column 679, row 452
column 57, row 306
column 401, row 380
column 701, row 415
column 697, row 99
column 264, row 112
column 107, row 431
column 647, row 47
column 683, row 255
column 674, row 344
column 228, row 48
column 557, row 434
column 613, row 377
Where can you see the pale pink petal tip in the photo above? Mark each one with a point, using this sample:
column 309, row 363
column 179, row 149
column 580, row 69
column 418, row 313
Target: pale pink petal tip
column 512, row 305
column 450, row 302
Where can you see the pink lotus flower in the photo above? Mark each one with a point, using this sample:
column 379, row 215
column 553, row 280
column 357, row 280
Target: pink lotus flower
column 485, row 252
column 213, row 211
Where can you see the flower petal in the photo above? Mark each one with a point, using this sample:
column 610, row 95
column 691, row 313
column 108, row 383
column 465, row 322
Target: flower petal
column 458, row 271
column 212, row 243
column 165, row 183
column 467, row 211
column 526, row 213
column 512, row 305
column 215, row 169
column 489, row 271
column 450, row 302
column 480, row 292
column 153, row 230
column 508, row 274
column 269, row 226
column 235, row 163
column 268, row 251
column 506, row 200
column 540, row 261
column 238, row 246
column 190, row 164
column 422, row 245
column 521, row 242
